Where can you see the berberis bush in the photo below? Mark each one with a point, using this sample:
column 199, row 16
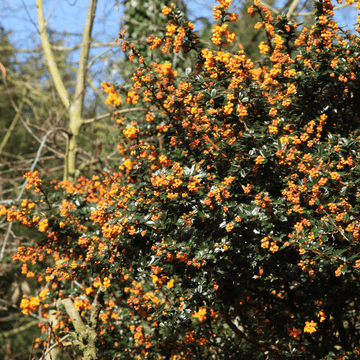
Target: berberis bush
column 231, row 228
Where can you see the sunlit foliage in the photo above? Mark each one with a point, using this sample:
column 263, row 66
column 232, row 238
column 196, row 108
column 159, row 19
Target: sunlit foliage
column 231, row 227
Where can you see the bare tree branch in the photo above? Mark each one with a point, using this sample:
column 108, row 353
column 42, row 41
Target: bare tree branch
column 54, row 346
column 118, row 112
column 50, row 59
column 60, row 48
column 85, row 336
column 313, row 12
column 292, row 8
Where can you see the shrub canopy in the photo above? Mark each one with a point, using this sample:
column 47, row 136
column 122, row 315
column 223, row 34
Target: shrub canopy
column 231, row 228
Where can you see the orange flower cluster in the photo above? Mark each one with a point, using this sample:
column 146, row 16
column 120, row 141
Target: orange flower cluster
column 310, row 327
column 33, row 180
column 166, row 10
column 131, row 132
column 165, row 72
column 155, row 42
column 201, row 314
column 229, row 227
column 171, row 28
column 179, row 38
column 217, row 12
column 29, row 305
column 194, row 183
column 259, row 160
column 224, row 4
column 264, row 48
column 82, row 304
column 113, row 98
column 43, row 225
column 221, row 31
column 132, row 97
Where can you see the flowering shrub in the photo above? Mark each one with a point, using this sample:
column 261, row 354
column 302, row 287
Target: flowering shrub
column 232, row 230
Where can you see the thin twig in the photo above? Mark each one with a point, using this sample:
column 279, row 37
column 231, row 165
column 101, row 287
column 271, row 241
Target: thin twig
column 54, row 346
column 59, row 48
column 341, row 231
column 313, row 12
column 101, row 54
column 124, row 111
column 32, row 347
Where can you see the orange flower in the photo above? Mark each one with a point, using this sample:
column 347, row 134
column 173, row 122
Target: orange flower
column 127, row 164
column 202, row 341
column 272, row 129
column 132, row 97
column 33, row 179
column 201, row 314
column 43, row 225
column 321, row 315
column 179, row 38
column 335, row 176
column 310, row 327
column 265, row 242
column 106, row 282
column 274, row 247
column 272, row 112
column 246, row 188
column 229, row 227
column 189, row 338
column 166, row 10
column 131, row 132
column 263, row 48
column 259, row 160
column 294, row 332
column 190, row 25
column 224, row 4
column 338, row 271
column 29, row 305
column 233, row 17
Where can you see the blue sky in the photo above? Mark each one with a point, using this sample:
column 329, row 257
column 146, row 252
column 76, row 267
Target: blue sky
column 20, row 17
column 69, row 15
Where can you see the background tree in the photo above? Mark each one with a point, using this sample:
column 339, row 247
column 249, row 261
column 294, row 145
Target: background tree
column 38, row 112
column 12, row 283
